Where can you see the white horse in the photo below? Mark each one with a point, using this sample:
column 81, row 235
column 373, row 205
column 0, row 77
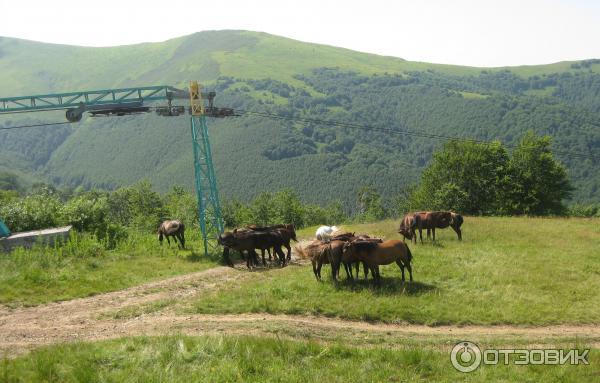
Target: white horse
column 324, row 233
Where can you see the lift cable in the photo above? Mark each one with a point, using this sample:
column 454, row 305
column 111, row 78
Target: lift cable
column 397, row 131
column 34, row 125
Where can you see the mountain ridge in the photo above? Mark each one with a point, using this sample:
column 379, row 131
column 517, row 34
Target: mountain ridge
column 262, row 72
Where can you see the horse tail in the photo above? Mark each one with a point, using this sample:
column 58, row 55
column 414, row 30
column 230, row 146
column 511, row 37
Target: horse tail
column 300, row 251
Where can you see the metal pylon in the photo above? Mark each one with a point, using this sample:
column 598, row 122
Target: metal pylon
column 209, row 208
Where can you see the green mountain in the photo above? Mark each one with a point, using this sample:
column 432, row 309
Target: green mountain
column 260, row 72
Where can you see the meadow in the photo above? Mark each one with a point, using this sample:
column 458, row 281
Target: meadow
column 83, row 267
column 524, row 271
column 252, row 359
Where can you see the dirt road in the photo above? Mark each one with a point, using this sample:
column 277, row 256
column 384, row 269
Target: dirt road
column 150, row 309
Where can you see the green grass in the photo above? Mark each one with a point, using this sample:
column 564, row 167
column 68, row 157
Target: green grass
column 525, row 271
column 251, row 359
column 84, row 268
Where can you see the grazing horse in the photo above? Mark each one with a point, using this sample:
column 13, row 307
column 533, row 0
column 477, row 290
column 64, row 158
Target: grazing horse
column 249, row 240
column 172, row 228
column 287, row 231
column 408, row 226
column 325, row 233
column 457, row 221
column 384, row 253
column 316, row 251
column 432, row 220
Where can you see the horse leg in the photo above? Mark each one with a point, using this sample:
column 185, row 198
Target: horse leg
column 433, row 233
column 289, row 252
column 366, row 270
column 401, row 266
column 348, row 268
column 280, row 254
column 248, row 260
column 319, row 265
column 168, row 240
column 421, row 234
column 409, row 268
column 428, row 233
column 314, row 265
column 269, row 251
column 262, row 254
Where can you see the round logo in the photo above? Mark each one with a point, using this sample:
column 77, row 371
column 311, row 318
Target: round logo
column 465, row 356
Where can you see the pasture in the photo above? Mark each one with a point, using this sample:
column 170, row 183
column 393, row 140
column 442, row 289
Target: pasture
column 498, row 287
column 83, row 268
column 526, row 271
column 252, row 359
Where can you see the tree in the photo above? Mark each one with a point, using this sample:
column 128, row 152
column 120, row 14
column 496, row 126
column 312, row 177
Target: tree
column 464, row 176
column 538, row 182
column 370, row 206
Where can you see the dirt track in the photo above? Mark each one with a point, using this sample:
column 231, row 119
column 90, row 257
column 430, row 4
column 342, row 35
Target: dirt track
column 149, row 310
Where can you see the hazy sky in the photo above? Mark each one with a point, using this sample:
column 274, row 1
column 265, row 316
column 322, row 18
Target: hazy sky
column 466, row 32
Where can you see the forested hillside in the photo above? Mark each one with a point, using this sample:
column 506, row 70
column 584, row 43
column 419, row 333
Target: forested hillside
column 260, row 72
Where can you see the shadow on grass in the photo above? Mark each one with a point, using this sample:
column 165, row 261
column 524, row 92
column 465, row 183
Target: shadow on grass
column 387, row 286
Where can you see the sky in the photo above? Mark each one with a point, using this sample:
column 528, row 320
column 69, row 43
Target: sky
column 465, row 32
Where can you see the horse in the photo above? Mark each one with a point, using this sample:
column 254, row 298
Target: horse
column 287, row 231
column 249, row 240
column 172, row 228
column 324, row 233
column 338, row 257
column 316, row 251
column 457, row 221
column 408, row 226
column 432, row 220
column 383, row 253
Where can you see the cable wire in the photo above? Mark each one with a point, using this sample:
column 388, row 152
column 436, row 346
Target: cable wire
column 399, row 131
column 34, row 125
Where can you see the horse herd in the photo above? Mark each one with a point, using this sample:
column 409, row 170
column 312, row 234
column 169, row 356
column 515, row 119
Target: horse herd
column 330, row 247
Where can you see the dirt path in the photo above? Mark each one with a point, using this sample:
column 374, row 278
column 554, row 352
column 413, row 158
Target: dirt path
column 149, row 310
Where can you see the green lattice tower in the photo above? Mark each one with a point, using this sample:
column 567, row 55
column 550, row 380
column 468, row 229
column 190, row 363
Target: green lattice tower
column 209, row 208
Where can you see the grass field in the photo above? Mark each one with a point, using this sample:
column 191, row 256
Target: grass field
column 251, row 359
column 84, row 268
column 524, row 271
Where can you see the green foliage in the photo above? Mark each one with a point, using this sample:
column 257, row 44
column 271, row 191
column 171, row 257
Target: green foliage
column 282, row 207
column 33, row 212
column 370, row 205
column 539, row 183
column 9, row 182
column 464, row 176
column 476, row 178
column 582, row 210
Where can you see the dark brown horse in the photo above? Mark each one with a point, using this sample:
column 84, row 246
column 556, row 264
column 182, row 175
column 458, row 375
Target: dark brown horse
column 287, row 231
column 249, row 241
column 457, row 221
column 172, row 228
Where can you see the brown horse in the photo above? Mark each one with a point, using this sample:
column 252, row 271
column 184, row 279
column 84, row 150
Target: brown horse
column 316, row 251
column 172, row 228
column 384, row 253
column 432, row 220
column 408, row 226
